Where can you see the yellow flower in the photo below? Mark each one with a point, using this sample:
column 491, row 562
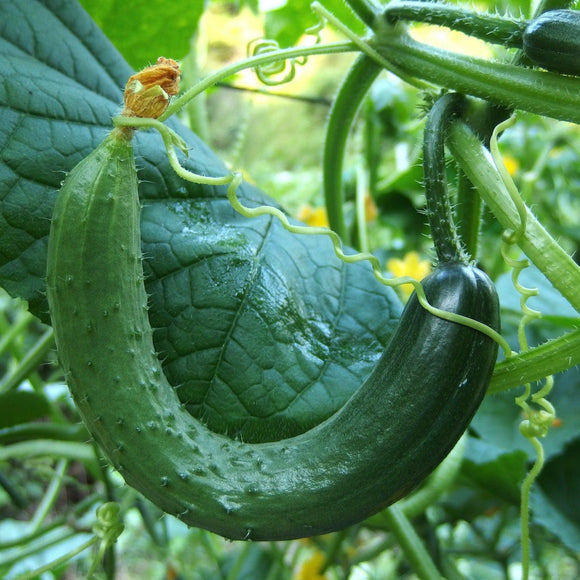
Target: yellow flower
column 310, row 569
column 511, row 164
column 371, row 211
column 315, row 217
column 411, row 265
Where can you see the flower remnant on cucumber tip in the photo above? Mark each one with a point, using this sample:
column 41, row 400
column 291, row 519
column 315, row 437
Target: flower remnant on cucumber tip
column 147, row 92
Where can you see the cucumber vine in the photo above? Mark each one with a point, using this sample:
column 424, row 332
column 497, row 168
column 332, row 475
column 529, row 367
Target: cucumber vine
column 391, row 48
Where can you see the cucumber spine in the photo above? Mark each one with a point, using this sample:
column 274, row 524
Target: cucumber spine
column 394, row 430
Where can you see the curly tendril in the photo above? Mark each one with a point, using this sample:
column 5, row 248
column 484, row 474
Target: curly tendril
column 280, row 71
column 508, row 241
column 274, row 73
column 536, row 422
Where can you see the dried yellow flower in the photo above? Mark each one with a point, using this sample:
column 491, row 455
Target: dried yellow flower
column 147, row 93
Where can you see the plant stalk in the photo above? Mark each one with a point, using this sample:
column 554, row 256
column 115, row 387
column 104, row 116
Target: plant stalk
column 411, row 544
column 538, row 245
column 492, row 28
column 544, row 93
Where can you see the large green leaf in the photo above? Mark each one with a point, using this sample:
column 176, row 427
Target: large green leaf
column 142, row 31
column 264, row 332
column 555, row 498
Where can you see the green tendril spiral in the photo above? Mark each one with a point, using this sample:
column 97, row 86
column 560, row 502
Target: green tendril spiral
column 274, row 73
column 280, row 71
column 264, row 210
column 536, row 422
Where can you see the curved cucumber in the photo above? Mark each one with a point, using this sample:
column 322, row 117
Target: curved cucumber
column 552, row 41
column 394, row 430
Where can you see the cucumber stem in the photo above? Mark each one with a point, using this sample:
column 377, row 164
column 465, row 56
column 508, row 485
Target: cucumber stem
column 366, row 10
column 439, row 212
column 538, row 245
column 551, row 357
column 344, row 108
column 540, row 92
column 492, row 28
column 468, row 214
column 411, row 544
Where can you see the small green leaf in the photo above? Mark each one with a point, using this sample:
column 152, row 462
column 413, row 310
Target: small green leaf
column 18, row 407
column 287, row 24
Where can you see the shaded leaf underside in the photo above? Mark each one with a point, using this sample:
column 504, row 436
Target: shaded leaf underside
column 262, row 332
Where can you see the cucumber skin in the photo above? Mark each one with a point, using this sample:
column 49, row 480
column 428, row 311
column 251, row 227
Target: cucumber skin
column 389, row 436
column 552, row 41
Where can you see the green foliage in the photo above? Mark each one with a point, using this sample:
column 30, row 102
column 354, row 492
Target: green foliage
column 17, row 407
column 143, row 31
column 287, row 24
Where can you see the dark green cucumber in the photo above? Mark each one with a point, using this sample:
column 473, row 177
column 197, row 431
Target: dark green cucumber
column 392, row 433
column 552, row 41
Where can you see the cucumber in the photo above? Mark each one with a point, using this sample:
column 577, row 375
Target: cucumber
column 387, row 438
column 552, row 41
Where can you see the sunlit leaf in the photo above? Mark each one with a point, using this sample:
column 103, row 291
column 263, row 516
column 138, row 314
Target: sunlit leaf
column 143, row 31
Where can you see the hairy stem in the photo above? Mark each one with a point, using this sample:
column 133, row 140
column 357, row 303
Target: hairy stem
column 439, row 213
column 492, row 28
column 468, row 214
column 540, row 92
column 549, row 358
column 366, row 10
column 548, row 256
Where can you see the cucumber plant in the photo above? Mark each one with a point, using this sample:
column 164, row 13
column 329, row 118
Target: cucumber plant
column 185, row 467
column 398, row 426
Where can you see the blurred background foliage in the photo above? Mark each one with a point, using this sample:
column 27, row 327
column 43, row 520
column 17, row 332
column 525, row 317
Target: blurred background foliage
column 472, row 530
